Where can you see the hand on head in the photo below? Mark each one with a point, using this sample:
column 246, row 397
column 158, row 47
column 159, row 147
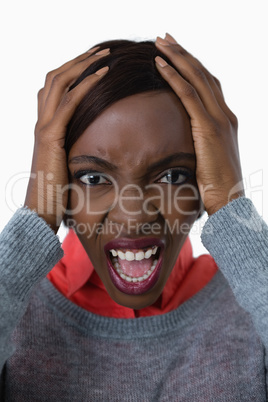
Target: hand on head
column 214, row 126
column 56, row 105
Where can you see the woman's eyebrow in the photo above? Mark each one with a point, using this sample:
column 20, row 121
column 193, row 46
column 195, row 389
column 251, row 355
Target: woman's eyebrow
column 92, row 159
column 176, row 157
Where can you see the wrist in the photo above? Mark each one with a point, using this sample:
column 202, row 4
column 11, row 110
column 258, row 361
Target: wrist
column 223, row 202
column 50, row 219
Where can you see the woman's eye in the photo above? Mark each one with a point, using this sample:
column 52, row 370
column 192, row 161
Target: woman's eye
column 94, row 179
column 174, row 176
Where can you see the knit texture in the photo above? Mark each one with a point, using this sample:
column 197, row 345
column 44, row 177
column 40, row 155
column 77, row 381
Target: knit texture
column 209, row 349
column 237, row 238
column 28, row 251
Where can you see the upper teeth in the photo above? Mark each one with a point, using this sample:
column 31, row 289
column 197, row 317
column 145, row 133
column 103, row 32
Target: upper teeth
column 138, row 256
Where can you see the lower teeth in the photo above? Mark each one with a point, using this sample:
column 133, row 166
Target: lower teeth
column 130, row 278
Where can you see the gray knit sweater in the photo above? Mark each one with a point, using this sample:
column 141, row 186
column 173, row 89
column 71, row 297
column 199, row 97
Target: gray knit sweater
column 212, row 348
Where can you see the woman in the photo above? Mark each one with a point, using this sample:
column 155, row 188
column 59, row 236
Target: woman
column 149, row 143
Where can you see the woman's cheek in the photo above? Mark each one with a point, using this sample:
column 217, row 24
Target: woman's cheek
column 183, row 204
column 90, row 204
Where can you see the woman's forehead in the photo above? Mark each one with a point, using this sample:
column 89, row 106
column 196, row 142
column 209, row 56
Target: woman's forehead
column 137, row 128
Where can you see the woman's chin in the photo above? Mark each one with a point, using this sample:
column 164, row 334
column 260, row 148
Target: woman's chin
column 134, row 302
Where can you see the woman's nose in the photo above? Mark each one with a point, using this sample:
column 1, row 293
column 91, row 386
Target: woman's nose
column 131, row 204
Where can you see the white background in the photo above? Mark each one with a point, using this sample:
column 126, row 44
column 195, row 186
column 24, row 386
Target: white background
column 229, row 37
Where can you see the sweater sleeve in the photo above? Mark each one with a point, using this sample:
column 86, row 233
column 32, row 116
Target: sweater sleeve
column 237, row 238
column 28, row 251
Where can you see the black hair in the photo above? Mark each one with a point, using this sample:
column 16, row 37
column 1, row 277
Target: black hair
column 131, row 71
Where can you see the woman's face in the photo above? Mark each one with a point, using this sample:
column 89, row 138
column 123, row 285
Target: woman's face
column 134, row 195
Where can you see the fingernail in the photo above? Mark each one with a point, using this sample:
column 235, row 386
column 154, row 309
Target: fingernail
column 103, row 52
column 93, row 49
column 160, row 61
column 161, row 41
column 170, row 38
column 102, row 71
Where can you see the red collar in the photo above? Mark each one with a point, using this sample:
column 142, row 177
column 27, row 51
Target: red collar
column 74, row 276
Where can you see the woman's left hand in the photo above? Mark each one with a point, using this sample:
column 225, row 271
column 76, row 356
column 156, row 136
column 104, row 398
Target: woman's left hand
column 214, row 126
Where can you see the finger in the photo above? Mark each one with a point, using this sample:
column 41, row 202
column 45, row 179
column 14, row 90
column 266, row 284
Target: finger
column 64, row 67
column 193, row 60
column 171, row 40
column 70, row 63
column 217, row 90
column 185, row 91
column 40, row 101
column 62, row 82
column 195, row 76
column 213, row 81
column 70, row 102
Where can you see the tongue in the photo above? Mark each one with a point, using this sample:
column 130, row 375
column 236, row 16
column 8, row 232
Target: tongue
column 135, row 269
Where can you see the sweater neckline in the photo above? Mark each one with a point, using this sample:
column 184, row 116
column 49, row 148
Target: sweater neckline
column 129, row 328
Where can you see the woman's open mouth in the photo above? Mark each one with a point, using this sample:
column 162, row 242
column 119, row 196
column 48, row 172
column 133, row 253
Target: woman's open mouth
column 134, row 264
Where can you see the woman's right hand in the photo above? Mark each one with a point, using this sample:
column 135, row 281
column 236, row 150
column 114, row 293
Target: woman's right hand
column 56, row 106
